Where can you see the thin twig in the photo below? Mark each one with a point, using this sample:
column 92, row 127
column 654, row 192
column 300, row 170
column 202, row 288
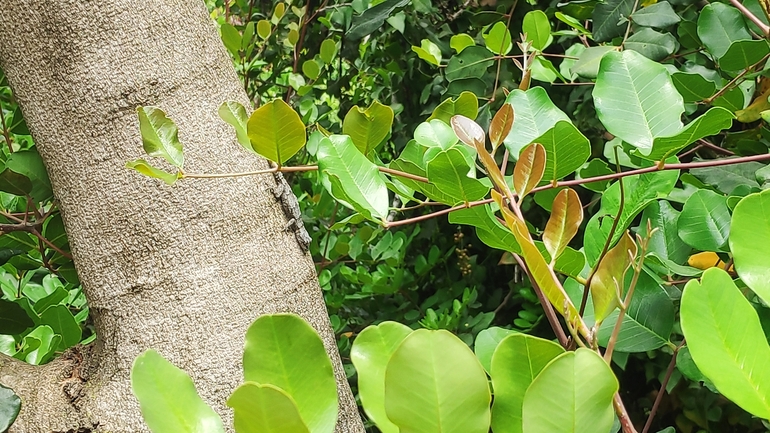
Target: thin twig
column 663, row 385
column 502, row 47
column 5, row 131
column 754, row 19
column 732, row 82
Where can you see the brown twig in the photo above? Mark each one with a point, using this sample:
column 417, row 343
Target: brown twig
column 550, row 314
column 502, row 47
column 754, row 19
column 6, row 133
column 732, row 82
column 662, row 390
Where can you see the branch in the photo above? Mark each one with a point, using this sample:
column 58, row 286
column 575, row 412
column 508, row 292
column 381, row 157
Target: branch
column 754, row 19
column 663, row 385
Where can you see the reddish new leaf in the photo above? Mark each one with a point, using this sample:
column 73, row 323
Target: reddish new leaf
column 607, row 283
column 566, row 216
column 529, row 169
column 468, row 131
column 501, row 125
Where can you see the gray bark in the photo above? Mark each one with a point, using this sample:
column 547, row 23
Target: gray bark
column 183, row 269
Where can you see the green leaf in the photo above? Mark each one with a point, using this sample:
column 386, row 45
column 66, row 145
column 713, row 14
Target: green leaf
column 284, row 351
column 434, row 384
column 572, row 394
column 232, row 39
column 372, row 19
column 276, row 131
column 328, row 50
column 607, row 19
column 497, row 38
column 235, row 115
column 311, row 69
column 168, row 399
column 45, row 345
column 726, row 340
column 566, row 148
column 13, row 318
column 435, row 133
column 486, row 343
column 719, row 25
column 61, row 320
column 467, row 104
column 29, row 164
column 693, row 87
column 471, row 63
column 704, row 223
column 351, row 173
column 651, row 44
column 10, row 405
column 537, row 28
column 607, row 284
column 595, row 167
column 742, row 54
column 264, row 29
column 160, row 135
column 370, row 354
column 429, row 52
column 587, row 65
column 450, row 172
column 665, row 242
column 265, row 409
column 749, row 238
column 659, row 15
column 649, row 318
column 146, row 169
column 727, row 178
column 710, row 123
column 488, row 228
column 369, row 127
column 517, row 361
column 636, row 100
column 461, row 41
column 535, row 116
column 14, row 183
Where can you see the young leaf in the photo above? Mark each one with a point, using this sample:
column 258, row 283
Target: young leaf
column 529, row 169
column 235, row 115
column 468, row 131
column 429, row 377
column 168, row 399
column 580, row 381
column 461, row 41
column 370, row 354
column 264, row 29
column 368, row 128
column 435, row 133
column 537, row 28
column 328, row 50
column 429, row 52
column 146, row 169
column 607, row 284
column 159, row 135
column 726, row 340
column 517, row 361
column 283, row 350
column 467, row 104
column 497, row 38
column 749, row 238
column 265, row 409
column 562, row 226
column 501, row 125
column 276, row 131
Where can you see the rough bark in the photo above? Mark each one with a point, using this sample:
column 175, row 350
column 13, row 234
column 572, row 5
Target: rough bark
column 181, row 269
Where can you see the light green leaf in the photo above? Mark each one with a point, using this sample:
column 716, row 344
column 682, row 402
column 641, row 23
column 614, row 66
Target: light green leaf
column 449, row 171
column 434, row 384
column 160, row 135
column 607, row 284
column 516, row 362
column 232, row 39
column 572, row 394
column 264, row 409
column 749, row 238
column 435, row 133
column 537, row 28
column 40, row 345
column 311, row 69
column 710, row 123
column 535, row 115
column 358, row 177
column 276, row 131
column 659, row 15
column 665, row 242
column 235, row 115
column 497, row 38
column 284, row 351
column 719, row 25
column 466, row 104
column 168, row 399
column 587, row 65
column 146, row 169
column 429, row 52
column 369, row 127
column 370, row 354
column 328, row 50
column 486, row 344
column 264, row 29
column 704, row 223
column 461, row 41
column 726, row 340
column 566, row 148
column 636, row 100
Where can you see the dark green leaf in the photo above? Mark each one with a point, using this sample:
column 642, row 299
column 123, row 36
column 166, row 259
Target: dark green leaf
column 61, row 320
column 372, row 19
column 704, row 222
column 471, row 63
column 10, row 405
column 719, row 25
column 13, row 318
column 659, row 15
column 607, row 18
column 651, row 44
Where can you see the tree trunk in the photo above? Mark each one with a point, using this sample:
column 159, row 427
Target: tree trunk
column 183, row 269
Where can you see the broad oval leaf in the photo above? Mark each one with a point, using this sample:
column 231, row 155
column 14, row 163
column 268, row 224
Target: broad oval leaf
column 719, row 25
column 284, row 351
column 235, row 115
column 537, row 28
column 370, row 354
column 434, row 384
column 61, row 320
column 607, row 284
column 563, row 224
column 276, row 131
column 368, row 128
column 328, row 50
column 160, row 135
column 704, row 222
column 726, row 340
column 449, row 171
column 536, row 114
column 435, row 133
column 497, row 38
column 517, row 361
column 636, row 99
column 265, row 409
column 749, row 239
column 487, row 340
column 501, row 125
column 168, row 399
column 466, row 104
column 352, row 174
column 572, row 394
column 13, row 318
column 468, row 131
column 529, row 169
column 10, row 405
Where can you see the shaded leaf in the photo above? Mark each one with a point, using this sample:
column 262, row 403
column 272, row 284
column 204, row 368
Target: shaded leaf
column 235, row 115
column 529, row 169
column 563, row 224
column 704, row 223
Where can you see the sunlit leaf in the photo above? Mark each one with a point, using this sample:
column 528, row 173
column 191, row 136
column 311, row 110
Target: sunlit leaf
column 160, row 135
column 749, row 238
column 529, row 169
column 501, row 125
column 369, row 127
column 276, row 131
column 264, row 409
column 563, row 224
column 235, row 115
column 146, row 169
